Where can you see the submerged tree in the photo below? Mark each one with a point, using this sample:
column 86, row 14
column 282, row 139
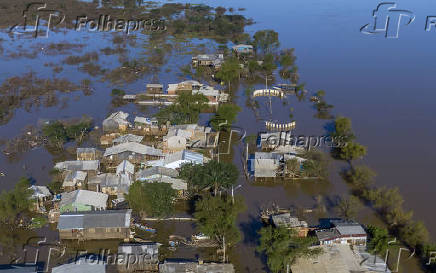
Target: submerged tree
column 15, row 202
column 217, row 218
column 378, row 240
column 266, row 40
column 212, row 174
column 229, row 71
column 226, row 113
column 348, row 208
column 154, row 199
column 185, row 110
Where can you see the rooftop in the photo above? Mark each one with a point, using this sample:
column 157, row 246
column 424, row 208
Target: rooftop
column 286, row 220
column 40, row 191
column 134, row 148
column 194, row 267
column 150, row 249
column 125, row 167
column 95, row 219
column 156, row 171
column 128, row 138
column 81, row 266
column 85, row 197
column 78, row 165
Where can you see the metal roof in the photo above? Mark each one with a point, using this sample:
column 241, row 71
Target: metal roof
column 95, row 219
column 156, row 171
column 151, row 249
column 40, row 191
column 195, row 267
column 81, row 266
column 125, row 167
column 286, row 220
column 345, row 228
column 154, row 85
column 134, row 148
column 78, row 165
column 128, row 138
column 85, row 197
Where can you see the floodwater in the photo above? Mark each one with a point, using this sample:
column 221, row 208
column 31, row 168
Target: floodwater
column 386, row 87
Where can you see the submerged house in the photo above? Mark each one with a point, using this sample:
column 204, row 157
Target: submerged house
column 342, row 232
column 133, row 152
column 290, row 222
column 196, row 136
column 146, row 124
column 86, row 154
column 116, row 122
column 156, row 173
column 243, row 49
column 114, row 183
column 74, row 180
column 177, row 159
column 91, row 167
column 186, row 86
column 127, row 138
column 146, row 254
column 212, row 94
column 82, row 200
column 211, row 60
column 40, row 194
column 181, row 266
column 264, row 164
column 154, row 88
column 82, row 266
column 95, row 225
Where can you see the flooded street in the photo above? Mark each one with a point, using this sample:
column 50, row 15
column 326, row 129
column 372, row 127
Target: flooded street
column 385, row 86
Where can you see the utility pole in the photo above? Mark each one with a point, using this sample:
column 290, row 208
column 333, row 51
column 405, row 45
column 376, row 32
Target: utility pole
column 224, row 249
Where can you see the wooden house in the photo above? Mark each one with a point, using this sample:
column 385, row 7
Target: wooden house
column 154, row 88
column 86, row 154
column 95, row 225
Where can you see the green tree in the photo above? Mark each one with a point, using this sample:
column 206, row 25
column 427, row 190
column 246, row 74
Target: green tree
column 56, row 133
column 266, row 40
column 229, row 71
column 217, row 218
column 185, row 110
column 352, row 151
column 212, row 174
column 316, row 164
column 414, row 234
column 342, row 129
column 15, row 202
column 287, row 58
column 348, row 208
column 293, row 167
column 378, row 240
column 77, row 131
column 283, row 246
column 153, row 199
column 226, row 113
column 361, row 177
